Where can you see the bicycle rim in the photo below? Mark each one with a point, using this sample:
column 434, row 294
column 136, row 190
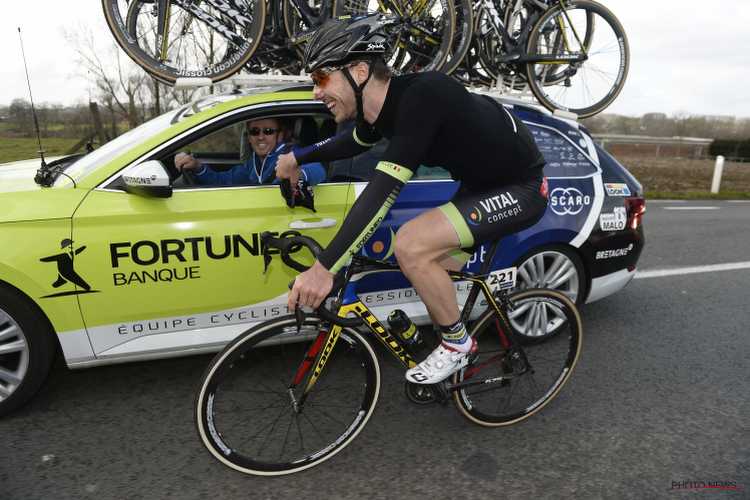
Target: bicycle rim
column 421, row 40
column 462, row 35
column 550, row 337
column 191, row 46
column 584, row 87
column 244, row 407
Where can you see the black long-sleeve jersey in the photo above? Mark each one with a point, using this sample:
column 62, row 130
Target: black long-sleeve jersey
column 432, row 120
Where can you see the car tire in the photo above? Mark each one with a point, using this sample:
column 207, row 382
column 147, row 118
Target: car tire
column 553, row 266
column 27, row 349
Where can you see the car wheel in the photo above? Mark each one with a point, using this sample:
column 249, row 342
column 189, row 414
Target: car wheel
column 555, row 267
column 27, row 349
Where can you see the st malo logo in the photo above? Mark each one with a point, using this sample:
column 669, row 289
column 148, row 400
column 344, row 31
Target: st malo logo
column 568, row 201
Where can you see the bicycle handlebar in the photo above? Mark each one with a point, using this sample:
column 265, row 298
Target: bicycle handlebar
column 291, row 243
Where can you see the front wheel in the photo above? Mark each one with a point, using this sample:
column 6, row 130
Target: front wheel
column 579, row 28
column 250, row 411
column 547, row 329
column 27, row 349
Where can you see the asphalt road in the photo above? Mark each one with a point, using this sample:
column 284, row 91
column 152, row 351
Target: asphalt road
column 658, row 401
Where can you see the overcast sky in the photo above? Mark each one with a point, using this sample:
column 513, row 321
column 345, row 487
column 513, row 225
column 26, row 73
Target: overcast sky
column 687, row 56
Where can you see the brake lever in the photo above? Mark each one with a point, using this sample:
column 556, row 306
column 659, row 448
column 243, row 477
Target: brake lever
column 300, row 315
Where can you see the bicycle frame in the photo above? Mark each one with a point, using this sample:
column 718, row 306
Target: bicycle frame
column 347, row 302
column 517, row 54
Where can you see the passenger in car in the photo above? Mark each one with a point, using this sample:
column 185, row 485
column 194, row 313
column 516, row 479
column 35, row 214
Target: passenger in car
column 267, row 142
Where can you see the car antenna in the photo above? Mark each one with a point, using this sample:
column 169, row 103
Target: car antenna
column 44, row 176
column 90, row 143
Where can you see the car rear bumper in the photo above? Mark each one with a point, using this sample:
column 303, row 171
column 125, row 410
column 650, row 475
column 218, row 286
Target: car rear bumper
column 609, row 284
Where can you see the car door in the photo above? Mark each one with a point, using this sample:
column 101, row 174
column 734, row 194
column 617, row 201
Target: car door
column 186, row 273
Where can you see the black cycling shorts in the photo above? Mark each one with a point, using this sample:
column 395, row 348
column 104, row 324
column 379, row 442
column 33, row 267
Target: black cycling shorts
column 481, row 214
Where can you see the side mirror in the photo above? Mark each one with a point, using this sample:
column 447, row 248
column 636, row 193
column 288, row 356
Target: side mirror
column 149, row 179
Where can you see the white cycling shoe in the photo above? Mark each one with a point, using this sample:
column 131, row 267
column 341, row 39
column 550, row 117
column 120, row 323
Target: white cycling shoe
column 441, row 364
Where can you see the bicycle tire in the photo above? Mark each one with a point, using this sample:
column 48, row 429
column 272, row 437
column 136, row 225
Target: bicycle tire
column 490, row 47
column 421, row 40
column 192, row 48
column 243, row 409
column 552, row 353
column 585, row 87
column 462, row 36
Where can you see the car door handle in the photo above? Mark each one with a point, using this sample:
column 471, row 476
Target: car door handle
column 301, row 224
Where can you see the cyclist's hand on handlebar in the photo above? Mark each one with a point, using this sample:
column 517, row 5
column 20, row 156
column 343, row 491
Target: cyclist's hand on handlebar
column 288, row 168
column 311, row 288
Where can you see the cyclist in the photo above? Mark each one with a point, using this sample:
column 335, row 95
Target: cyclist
column 430, row 119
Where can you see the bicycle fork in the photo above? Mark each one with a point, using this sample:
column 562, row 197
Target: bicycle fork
column 315, row 359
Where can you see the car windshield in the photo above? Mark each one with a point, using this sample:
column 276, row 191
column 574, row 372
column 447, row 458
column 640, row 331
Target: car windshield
column 92, row 161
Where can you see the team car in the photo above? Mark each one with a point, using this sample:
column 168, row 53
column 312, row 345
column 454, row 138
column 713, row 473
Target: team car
column 113, row 256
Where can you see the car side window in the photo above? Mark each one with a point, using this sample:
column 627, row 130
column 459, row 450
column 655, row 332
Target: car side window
column 564, row 159
column 223, row 149
column 219, row 150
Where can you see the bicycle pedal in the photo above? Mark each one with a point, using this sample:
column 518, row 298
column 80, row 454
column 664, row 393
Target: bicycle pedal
column 439, row 393
column 473, row 357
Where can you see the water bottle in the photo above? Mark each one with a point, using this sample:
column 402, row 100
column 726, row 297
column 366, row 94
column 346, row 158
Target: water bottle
column 407, row 331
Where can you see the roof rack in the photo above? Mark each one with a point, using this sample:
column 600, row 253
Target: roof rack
column 519, row 96
column 498, row 91
column 247, row 80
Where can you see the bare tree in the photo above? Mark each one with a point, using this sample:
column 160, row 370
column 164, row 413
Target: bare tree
column 118, row 83
column 20, row 113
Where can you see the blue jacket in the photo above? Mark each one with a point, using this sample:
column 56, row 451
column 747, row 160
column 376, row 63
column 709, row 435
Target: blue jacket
column 247, row 173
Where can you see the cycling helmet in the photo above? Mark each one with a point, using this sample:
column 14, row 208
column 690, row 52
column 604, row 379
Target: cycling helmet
column 343, row 39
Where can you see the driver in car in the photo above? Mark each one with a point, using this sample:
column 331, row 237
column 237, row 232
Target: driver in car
column 267, row 141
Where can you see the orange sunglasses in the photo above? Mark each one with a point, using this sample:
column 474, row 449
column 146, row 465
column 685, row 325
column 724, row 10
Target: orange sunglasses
column 322, row 76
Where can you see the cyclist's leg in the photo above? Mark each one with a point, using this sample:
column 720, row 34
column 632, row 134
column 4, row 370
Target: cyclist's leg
column 421, row 246
column 474, row 216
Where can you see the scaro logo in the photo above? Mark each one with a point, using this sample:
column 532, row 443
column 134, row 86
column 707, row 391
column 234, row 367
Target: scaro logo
column 568, row 201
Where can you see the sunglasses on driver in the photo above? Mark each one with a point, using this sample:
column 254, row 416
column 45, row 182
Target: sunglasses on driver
column 265, row 130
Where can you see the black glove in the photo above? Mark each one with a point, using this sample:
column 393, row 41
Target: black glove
column 300, row 196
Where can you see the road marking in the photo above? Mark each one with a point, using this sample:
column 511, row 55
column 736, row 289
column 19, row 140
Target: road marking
column 660, row 273
column 691, row 208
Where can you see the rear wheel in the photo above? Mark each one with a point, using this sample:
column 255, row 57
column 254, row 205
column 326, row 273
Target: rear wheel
column 547, row 328
column 170, row 42
column 249, row 409
column 554, row 267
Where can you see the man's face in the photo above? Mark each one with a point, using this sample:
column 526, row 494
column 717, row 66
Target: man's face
column 338, row 95
column 263, row 143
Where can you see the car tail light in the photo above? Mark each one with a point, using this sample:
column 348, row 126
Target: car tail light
column 635, row 207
